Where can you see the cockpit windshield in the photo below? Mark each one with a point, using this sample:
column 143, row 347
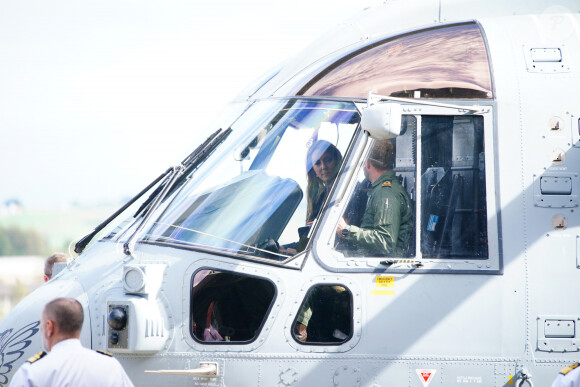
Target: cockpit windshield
column 261, row 192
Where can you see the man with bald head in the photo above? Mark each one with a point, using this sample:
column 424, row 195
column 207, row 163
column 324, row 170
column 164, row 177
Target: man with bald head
column 67, row 363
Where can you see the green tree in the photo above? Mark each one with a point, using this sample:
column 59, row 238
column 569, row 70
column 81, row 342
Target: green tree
column 15, row 241
column 5, row 244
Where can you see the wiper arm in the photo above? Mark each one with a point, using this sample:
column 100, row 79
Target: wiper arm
column 172, row 177
column 176, row 179
column 84, row 241
column 197, row 156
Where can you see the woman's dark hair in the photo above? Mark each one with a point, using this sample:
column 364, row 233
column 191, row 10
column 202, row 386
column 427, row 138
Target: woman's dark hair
column 315, row 187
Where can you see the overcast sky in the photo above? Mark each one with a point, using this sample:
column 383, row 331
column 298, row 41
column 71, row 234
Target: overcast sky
column 97, row 98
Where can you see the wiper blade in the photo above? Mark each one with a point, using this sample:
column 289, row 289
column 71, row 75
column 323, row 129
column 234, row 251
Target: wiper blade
column 197, row 156
column 176, row 179
column 193, row 156
column 171, row 178
column 191, row 162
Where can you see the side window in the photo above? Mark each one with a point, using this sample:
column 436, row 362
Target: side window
column 228, row 307
column 325, row 316
column 379, row 220
column 454, row 214
column 440, row 213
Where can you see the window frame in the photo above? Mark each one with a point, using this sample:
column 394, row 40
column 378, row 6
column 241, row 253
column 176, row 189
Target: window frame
column 357, row 316
column 257, row 271
column 325, row 343
column 323, row 242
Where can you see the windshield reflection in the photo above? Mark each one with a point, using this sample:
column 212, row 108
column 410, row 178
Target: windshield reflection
column 253, row 197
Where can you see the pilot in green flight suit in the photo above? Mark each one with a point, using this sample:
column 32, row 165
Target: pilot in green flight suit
column 387, row 222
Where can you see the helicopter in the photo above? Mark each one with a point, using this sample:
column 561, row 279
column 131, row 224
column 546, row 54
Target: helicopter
column 204, row 277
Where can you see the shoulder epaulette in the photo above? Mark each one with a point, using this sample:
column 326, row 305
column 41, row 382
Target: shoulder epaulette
column 36, row 357
column 387, row 183
column 569, row 368
column 105, row 353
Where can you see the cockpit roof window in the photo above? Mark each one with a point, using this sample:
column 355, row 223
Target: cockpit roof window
column 447, row 62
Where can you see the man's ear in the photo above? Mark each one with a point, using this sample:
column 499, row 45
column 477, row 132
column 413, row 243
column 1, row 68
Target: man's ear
column 49, row 328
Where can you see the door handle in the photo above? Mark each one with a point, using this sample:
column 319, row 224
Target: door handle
column 205, row 369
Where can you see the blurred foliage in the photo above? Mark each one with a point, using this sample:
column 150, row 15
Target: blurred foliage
column 58, row 228
column 16, row 241
column 19, row 291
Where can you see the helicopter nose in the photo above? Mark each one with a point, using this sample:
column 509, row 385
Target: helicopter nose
column 20, row 329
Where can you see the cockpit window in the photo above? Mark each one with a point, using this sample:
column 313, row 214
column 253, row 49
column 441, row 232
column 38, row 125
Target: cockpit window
column 446, row 62
column 268, row 185
column 228, row 307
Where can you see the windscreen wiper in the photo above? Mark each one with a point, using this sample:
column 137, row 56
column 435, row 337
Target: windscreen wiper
column 84, row 241
column 174, row 181
column 196, row 156
column 191, row 162
column 171, row 178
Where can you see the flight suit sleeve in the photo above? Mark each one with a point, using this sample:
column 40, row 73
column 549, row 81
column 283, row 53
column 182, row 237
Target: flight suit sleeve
column 305, row 314
column 382, row 237
column 306, row 311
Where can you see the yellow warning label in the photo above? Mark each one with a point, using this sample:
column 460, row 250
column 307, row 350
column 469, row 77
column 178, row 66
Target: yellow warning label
column 385, row 282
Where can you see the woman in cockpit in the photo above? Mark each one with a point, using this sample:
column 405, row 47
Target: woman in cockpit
column 323, row 161
column 322, row 164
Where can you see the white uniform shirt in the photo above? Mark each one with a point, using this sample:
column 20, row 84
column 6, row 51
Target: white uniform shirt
column 571, row 378
column 70, row 364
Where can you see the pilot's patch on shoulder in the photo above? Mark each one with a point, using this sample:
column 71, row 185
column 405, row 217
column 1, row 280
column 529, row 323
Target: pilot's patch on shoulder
column 569, row 368
column 36, row 357
column 387, row 183
column 105, row 353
